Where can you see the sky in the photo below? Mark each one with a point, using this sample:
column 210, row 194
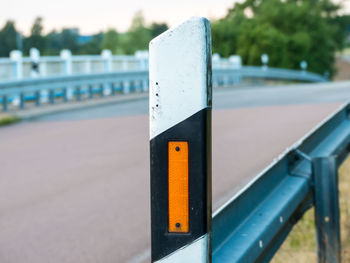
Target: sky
column 92, row 16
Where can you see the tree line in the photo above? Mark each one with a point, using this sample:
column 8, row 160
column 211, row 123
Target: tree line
column 289, row 31
column 136, row 38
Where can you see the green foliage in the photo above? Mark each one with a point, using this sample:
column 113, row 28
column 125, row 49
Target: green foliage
column 110, row 40
column 93, row 47
column 8, row 119
column 139, row 35
column 137, row 38
column 288, row 31
column 66, row 39
column 8, row 39
column 36, row 39
column 157, row 28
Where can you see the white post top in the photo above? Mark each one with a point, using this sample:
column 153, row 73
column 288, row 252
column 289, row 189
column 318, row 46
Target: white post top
column 106, row 54
column 265, row 58
column 180, row 74
column 16, row 55
column 66, row 54
column 216, row 57
column 34, row 54
column 141, row 54
column 236, row 61
column 303, row 65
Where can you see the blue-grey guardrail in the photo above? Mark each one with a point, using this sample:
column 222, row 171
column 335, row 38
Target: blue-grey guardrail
column 74, row 86
column 71, row 86
column 267, row 73
column 252, row 226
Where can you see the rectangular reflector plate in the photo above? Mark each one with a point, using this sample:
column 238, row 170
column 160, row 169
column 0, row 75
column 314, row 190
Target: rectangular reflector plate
column 178, row 187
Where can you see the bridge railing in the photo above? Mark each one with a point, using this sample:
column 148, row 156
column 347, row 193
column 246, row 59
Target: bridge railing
column 18, row 67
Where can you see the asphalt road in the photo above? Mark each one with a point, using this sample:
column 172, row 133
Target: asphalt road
column 74, row 187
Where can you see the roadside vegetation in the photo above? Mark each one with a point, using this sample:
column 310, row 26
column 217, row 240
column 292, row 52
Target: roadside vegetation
column 6, row 119
column 289, row 31
column 300, row 246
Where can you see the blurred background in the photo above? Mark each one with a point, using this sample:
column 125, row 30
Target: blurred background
column 289, row 31
column 74, row 166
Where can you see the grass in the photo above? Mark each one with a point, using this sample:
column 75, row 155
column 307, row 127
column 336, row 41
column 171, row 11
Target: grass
column 6, row 119
column 300, row 246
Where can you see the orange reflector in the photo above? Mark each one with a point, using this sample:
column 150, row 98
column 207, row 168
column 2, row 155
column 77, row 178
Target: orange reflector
column 178, row 187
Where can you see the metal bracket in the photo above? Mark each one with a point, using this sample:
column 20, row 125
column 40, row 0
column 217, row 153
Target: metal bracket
column 297, row 168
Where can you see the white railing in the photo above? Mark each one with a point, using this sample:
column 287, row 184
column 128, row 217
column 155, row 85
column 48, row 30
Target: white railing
column 17, row 67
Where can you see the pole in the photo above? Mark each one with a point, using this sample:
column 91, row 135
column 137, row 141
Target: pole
column 180, row 143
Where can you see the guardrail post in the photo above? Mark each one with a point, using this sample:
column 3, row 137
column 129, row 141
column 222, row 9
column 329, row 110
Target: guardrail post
column 102, row 88
column 144, row 85
column 66, row 56
column 52, row 96
column 107, row 58
column 21, row 100
column 126, row 87
column 65, row 95
column 112, row 89
column 16, row 57
column 4, row 103
column 78, row 93
column 37, row 98
column 180, row 143
column 325, row 174
column 44, row 96
column 91, row 91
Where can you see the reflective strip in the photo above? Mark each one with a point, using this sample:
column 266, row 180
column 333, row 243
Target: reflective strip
column 178, row 187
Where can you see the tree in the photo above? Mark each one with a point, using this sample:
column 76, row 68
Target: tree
column 36, row 39
column 69, row 39
column 138, row 36
column 158, row 28
column 92, row 47
column 288, row 31
column 110, row 40
column 8, row 39
column 53, row 44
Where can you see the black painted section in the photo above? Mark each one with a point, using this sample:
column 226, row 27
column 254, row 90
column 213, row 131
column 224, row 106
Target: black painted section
column 197, row 131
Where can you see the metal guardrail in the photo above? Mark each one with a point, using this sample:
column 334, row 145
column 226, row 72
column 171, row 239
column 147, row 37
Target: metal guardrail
column 268, row 73
column 252, row 226
column 48, row 88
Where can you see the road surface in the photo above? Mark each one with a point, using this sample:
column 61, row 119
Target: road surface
column 74, row 187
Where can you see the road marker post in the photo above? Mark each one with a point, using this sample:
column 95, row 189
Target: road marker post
column 180, row 143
